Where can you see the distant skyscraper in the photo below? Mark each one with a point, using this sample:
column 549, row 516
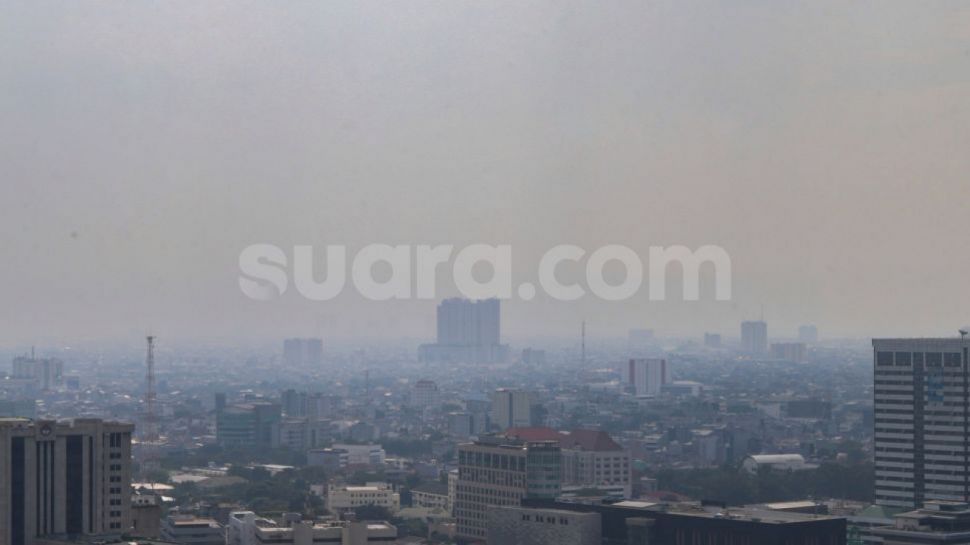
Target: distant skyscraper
column 712, row 340
column 754, row 337
column 808, row 334
column 793, row 352
column 468, row 332
column 63, row 478
column 922, row 444
column 648, row 375
column 47, row 372
column 303, row 351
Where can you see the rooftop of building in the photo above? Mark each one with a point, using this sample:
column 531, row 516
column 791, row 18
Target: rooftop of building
column 23, row 422
column 191, row 521
column 690, row 509
column 438, row 488
column 591, row 440
column 926, row 342
column 777, row 458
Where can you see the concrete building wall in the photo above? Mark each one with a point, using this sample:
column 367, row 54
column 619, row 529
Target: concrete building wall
column 524, row 526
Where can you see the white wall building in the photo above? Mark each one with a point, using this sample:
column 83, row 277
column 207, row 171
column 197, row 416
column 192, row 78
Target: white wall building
column 776, row 462
column 362, row 455
column 247, row 528
column 648, row 375
column 342, row 498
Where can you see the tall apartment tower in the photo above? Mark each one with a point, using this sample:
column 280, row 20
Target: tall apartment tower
column 468, row 332
column 497, row 471
column 922, row 424
column 47, row 372
column 648, row 376
column 68, row 477
column 754, row 337
column 303, row 351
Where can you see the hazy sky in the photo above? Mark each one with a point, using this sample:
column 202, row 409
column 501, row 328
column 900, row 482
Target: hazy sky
column 144, row 144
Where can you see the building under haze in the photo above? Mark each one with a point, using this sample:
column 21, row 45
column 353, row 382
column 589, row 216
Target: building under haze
column 647, row 375
column 255, row 424
column 69, row 477
column 299, row 352
column 468, row 332
column 921, row 421
column 47, row 373
column 754, row 337
column 793, row 352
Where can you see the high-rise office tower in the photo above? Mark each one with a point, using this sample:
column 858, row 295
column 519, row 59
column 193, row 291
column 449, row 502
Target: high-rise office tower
column 648, row 375
column 513, row 409
column 467, row 332
column 69, row 477
column 922, row 424
column 48, row 372
column 303, row 351
column 501, row 471
column 754, row 337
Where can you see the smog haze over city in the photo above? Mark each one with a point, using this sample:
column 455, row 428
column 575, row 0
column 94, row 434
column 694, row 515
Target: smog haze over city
column 146, row 144
column 499, row 273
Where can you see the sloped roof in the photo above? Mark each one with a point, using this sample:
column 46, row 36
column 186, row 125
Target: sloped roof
column 589, row 440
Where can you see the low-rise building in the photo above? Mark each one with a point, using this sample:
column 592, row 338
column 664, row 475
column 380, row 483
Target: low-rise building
column 362, row 455
column 332, row 459
column 433, row 495
column 342, row 498
column 775, row 462
column 247, row 528
column 936, row 523
column 192, row 530
column 509, row 525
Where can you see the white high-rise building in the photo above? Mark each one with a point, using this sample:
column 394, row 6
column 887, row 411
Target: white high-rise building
column 754, row 337
column 922, row 444
column 468, row 332
column 648, row 375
